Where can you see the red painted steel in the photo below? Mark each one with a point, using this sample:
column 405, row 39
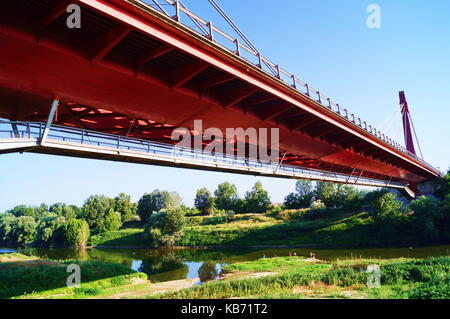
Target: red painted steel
column 409, row 142
column 137, row 73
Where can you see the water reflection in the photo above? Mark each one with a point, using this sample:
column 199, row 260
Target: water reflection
column 165, row 265
column 208, row 271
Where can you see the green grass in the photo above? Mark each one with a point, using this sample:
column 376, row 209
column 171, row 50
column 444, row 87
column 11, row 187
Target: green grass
column 25, row 277
column 121, row 238
column 401, row 279
column 278, row 264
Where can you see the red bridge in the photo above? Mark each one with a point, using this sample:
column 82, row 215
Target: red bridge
column 138, row 71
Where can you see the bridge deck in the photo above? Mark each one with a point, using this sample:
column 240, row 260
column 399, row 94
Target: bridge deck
column 131, row 65
column 67, row 141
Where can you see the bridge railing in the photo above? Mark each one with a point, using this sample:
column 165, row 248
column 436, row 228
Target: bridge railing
column 221, row 38
column 35, row 130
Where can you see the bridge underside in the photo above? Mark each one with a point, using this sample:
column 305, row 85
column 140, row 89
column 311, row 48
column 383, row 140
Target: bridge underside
column 131, row 73
column 65, row 141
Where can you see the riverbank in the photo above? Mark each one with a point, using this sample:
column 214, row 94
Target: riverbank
column 28, row 277
column 299, row 278
column 279, row 277
column 340, row 229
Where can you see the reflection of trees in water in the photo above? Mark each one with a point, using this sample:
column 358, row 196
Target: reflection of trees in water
column 163, row 266
column 207, row 271
column 58, row 253
column 111, row 256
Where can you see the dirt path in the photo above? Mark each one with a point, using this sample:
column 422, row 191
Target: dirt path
column 148, row 289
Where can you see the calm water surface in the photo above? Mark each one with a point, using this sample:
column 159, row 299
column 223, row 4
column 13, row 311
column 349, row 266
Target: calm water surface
column 165, row 265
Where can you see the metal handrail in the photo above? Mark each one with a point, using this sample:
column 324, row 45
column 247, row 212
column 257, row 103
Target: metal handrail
column 296, row 83
column 34, row 130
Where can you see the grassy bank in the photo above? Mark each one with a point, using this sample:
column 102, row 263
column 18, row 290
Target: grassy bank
column 29, row 277
column 280, row 277
column 296, row 278
column 338, row 227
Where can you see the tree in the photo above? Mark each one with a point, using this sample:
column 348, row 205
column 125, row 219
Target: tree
column 387, row 208
column 22, row 210
column 67, row 211
column 95, row 209
column 444, row 187
column 326, row 193
column 204, row 201
column 257, row 200
column 427, row 217
column 25, row 230
column 165, row 227
column 51, row 228
column 7, row 224
column 123, row 205
column 154, row 202
column 304, row 188
column 112, row 222
column 226, row 197
column 388, row 215
column 76, row 232
column 373, row 196
column 302, row 197
column 347, row 196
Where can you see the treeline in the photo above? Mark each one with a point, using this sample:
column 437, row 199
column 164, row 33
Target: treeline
column 163, row 214
column 61, row 224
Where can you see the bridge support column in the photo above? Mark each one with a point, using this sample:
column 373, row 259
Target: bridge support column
column 51, row 116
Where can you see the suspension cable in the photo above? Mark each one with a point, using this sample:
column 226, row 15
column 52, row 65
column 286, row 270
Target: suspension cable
column 414, row 130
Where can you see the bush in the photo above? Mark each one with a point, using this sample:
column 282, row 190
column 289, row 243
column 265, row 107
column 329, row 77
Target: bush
column 291, row 214
column 165, row 227
column 317, row 204
column 387, row 207
column 112, row 222
column 76, row 232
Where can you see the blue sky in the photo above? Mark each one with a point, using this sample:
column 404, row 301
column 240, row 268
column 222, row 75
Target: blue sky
column 323, row 42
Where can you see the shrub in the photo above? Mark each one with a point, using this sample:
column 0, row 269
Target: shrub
column 317, row 204
column 76, row 232
column 165, row 227
column 112, row 222
column 387, row 207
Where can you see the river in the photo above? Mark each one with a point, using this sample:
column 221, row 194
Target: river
column 166, row 265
